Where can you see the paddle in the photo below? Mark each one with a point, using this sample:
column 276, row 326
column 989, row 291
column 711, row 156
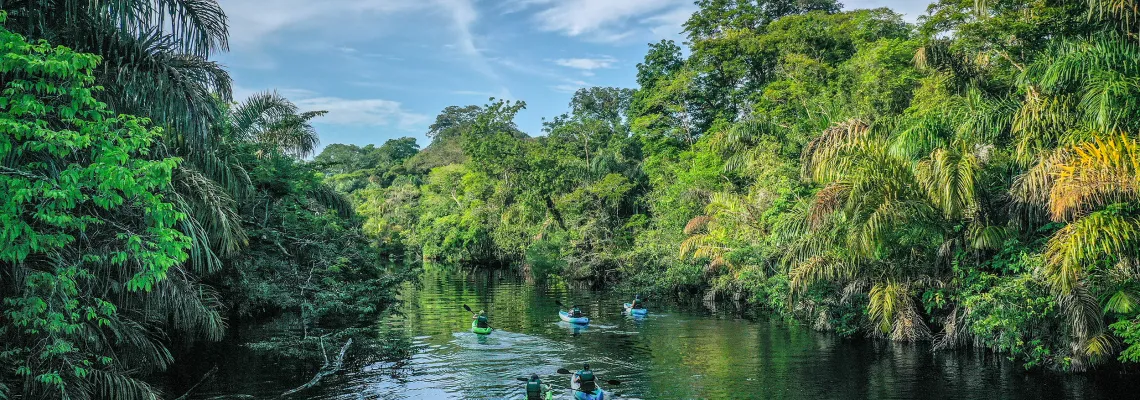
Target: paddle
column 565, row 371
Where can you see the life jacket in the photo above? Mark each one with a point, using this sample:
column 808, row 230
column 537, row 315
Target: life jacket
column 481, row 321
column 586, row 381
column 534, row 389
column 635, row 305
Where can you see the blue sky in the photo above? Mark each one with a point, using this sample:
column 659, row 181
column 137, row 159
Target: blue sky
column 384, row 68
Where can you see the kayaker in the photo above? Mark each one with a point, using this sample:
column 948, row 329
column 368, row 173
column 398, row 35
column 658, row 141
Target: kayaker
column 481, row 319
column 534, row 388
column 576, row 312
column 636, row 304
column 583, row 380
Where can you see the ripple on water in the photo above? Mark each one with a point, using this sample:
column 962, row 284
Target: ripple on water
column 680, row 353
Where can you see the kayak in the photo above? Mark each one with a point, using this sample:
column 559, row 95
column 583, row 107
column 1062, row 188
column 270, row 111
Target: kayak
column 566, row 317
column 482, row 331
column 598, row 393
column 635, row 311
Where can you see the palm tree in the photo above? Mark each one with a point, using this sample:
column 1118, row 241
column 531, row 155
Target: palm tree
column 274, row 122
column 154, row 63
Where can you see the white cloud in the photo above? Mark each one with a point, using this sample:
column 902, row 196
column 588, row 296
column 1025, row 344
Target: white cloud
column 599, row 20
column 570, row 86
column 669, row 25
column 503, row 93
column 253, row 21
column 360, row 112
column 587, row 63
column 566, row 84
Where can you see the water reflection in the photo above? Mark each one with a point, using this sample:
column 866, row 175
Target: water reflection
column 673, row 353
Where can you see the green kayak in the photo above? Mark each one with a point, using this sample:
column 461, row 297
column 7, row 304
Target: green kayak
column 482, row 331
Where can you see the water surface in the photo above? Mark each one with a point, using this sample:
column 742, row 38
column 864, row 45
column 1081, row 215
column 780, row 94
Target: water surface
column 676, row 352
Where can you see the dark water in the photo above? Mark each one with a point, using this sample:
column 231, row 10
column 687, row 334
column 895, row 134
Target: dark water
column 677, row 352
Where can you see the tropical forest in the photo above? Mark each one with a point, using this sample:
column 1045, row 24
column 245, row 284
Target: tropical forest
column 797, row 199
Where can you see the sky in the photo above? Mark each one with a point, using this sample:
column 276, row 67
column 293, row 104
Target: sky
column 384, row 69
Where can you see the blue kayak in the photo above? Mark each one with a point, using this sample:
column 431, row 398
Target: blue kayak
column 597, row 394
column 566, row 317
column 635, row 311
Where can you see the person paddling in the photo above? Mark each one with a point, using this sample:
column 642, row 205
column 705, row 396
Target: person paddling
column 481, row 319
column 583, row 380
column 576, row 312
column 535, row 388
column 636, row 304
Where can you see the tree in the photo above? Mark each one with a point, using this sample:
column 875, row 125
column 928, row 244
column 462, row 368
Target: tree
column 89, row 245
column 452, row 121
column 155, row 56
column 716, row 17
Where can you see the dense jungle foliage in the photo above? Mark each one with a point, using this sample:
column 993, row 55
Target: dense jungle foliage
column 970, row 180
column 143, row 213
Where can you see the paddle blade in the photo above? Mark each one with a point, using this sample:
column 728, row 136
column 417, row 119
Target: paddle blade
column 559, row 303
column 465, row 307
column 613, row 382
column 564, row 371
column 523, row 379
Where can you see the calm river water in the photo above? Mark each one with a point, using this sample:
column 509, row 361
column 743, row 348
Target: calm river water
column 676, row 352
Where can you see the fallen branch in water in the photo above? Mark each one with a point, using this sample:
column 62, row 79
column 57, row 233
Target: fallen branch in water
column 205, row 378
column 326, row 370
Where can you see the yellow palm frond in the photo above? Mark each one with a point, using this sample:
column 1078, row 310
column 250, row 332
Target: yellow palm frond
column 1098, row 173
column 1100, row 235
column 1035, row 185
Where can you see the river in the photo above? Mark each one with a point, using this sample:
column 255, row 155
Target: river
column 676, row 352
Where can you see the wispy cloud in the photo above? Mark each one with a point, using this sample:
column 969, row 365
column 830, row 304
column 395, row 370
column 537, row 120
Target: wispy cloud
column 587, row 63
column 253, row 21
column 565, row 84
column 669, row 25
column 502, row 93
column 599, row 20
column 363, row 112
column 570, row 86
column 357, row 112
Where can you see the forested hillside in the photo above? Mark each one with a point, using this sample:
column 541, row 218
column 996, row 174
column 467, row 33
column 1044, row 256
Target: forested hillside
column 970, row 179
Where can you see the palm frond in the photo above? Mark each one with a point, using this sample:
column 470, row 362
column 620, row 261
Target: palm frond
column 820, row 157
column 697, row 224
column 212, row 207
column 1121, row 302
column 332, row 199
column 821, row 268
column 827, row 201
column 1097, row 174
column 1100, row 235
column 145, row 75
